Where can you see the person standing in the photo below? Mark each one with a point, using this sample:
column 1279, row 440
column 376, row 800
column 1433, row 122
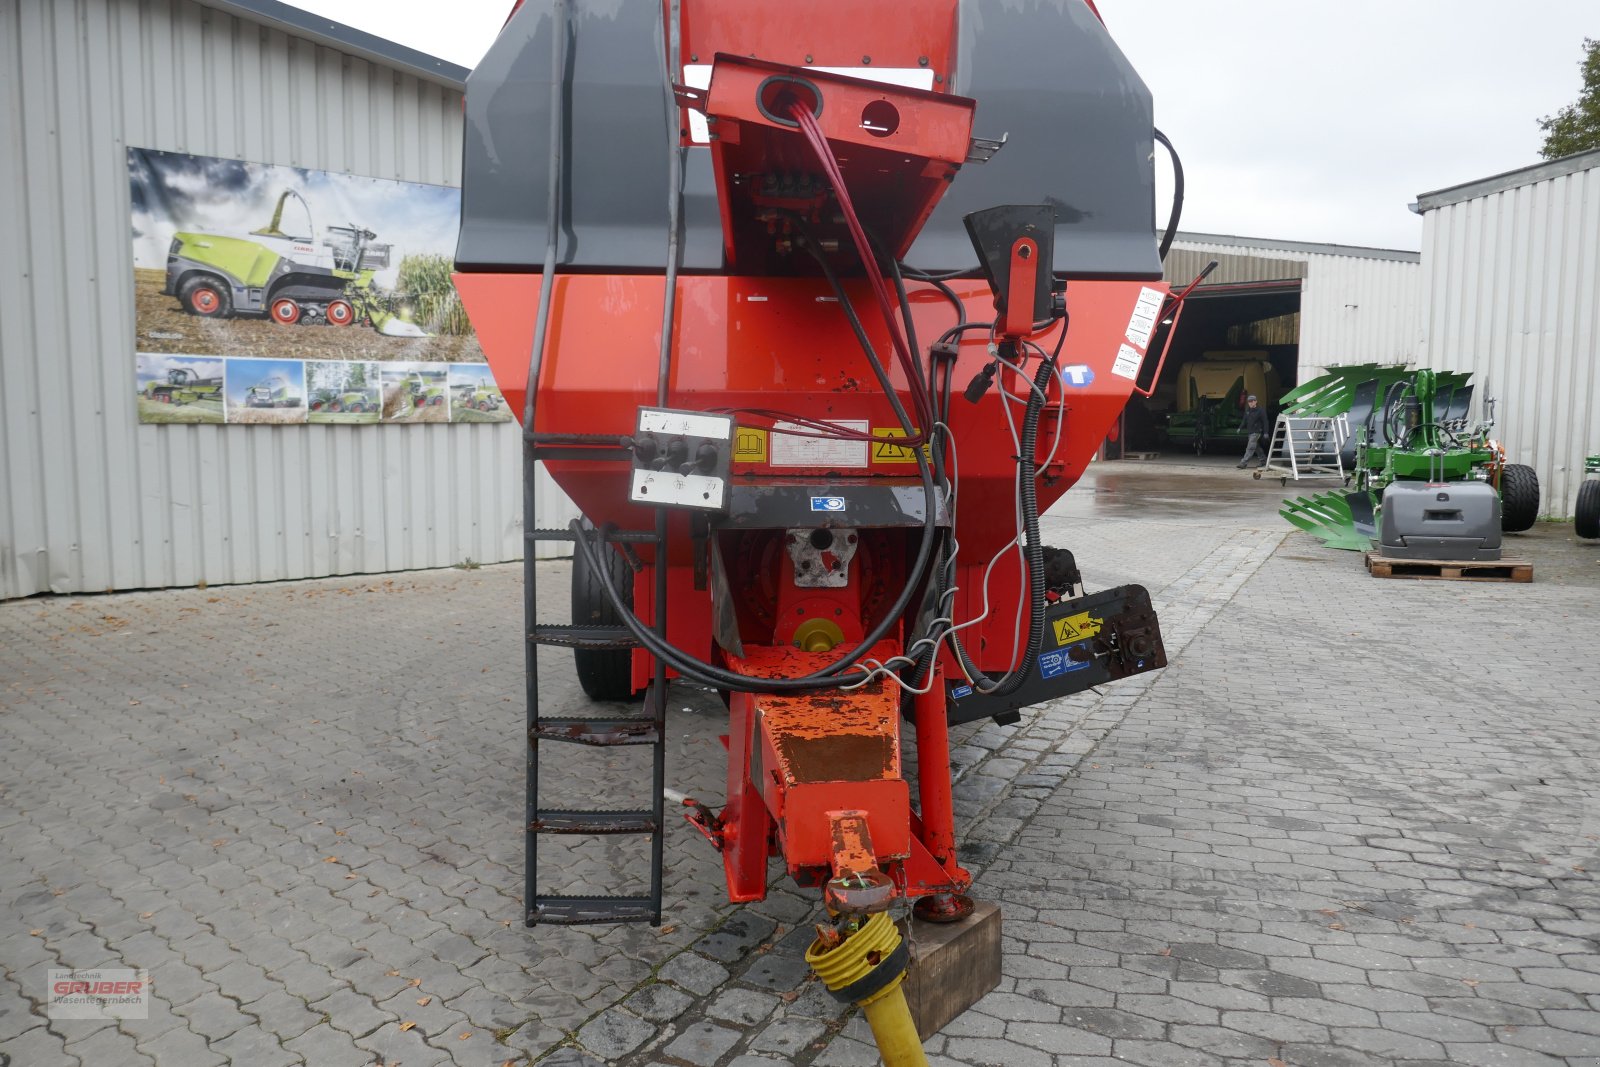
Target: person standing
column 1255, row 424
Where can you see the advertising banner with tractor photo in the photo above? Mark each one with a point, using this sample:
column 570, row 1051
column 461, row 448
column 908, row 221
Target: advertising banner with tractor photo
column 237, row 261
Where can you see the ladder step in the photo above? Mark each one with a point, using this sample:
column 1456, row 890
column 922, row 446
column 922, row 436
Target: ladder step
column 597, row 731
column 594, row 822
column 574, row 911
column 631, row 537
column 589, row 637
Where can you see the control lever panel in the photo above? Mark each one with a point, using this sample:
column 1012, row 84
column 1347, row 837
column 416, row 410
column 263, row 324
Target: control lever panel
column 681, row 459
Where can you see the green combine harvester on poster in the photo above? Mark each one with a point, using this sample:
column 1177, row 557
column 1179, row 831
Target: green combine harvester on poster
column 1425, row 482
column 184, row 386
column 283, row 276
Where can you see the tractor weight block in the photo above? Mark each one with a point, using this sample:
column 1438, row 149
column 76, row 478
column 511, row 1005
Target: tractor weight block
column 1450, row 520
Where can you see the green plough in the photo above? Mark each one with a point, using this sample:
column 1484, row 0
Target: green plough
column 1407, row 425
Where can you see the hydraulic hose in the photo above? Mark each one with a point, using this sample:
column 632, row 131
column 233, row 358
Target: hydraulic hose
column 832, row 676
column 1027, row 473
column 1177, row 195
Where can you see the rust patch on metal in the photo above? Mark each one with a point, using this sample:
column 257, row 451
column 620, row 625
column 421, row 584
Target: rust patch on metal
column 835, row 757
column 852, row 843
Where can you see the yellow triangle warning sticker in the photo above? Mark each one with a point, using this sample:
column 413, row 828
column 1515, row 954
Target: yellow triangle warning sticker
column 1070, row 628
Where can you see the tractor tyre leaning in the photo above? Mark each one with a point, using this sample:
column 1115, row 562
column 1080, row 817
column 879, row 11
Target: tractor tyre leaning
column 1587, row 516
column 605, row 674
column 1519, row 498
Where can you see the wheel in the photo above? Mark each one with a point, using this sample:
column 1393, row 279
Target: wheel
column 335, row 405
column 165, row 398
column 358, row 407
column 483, row 405
column 207, row 298
column 1519, row 498
column 436, row 401
column 285, row 311
column 605, row 674
column 1587, row 517
column 341, row 313
column 317, row 406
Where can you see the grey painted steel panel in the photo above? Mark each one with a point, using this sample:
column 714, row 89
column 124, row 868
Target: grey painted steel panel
column 1043, row 71
column 91, row 500
column 1512, row 290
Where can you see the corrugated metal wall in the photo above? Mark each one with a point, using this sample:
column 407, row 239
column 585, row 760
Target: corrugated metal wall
column 1353, row 308
column 1356, row 310
column 90, row 499
column 1512, row 281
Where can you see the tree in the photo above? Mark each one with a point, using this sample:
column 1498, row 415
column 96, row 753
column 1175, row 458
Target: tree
column 1576, row 127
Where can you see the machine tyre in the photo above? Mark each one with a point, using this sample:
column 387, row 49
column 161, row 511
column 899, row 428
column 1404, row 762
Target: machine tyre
column 1519, row 498
column 341, row 313
column 1587, row 516
column 206, row 297
column 285, row 311
column 605, row 674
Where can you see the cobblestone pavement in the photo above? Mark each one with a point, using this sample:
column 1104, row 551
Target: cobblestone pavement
column 1353, row 822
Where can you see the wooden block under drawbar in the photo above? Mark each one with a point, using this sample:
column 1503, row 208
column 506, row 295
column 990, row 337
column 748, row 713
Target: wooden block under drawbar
column 952, row 966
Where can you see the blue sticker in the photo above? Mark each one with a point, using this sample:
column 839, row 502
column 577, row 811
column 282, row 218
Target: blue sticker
column 961, row 691
column 1077, row 375
column 827, row 503
column 1058, row 662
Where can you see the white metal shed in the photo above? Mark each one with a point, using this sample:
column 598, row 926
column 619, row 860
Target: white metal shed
column 1357, row 304
column 1511, row 277
column 89, row 498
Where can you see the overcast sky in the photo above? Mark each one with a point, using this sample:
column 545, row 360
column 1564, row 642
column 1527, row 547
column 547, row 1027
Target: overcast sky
column 1312, row 120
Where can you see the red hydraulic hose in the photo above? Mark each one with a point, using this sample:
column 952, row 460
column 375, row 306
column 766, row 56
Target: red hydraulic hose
column 880, row 287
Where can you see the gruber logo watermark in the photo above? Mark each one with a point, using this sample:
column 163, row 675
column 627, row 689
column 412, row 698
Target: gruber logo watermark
column 98, row 993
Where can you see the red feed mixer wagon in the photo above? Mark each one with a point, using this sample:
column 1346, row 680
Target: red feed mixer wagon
column 838, row 298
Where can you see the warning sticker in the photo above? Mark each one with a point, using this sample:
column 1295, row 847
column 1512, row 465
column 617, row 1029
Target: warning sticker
column 888, row 452
column 749, row 445
column 1143, row 321
column 1129, row 360
column 792, row 450
column 1052, row 664
column 1076, row 627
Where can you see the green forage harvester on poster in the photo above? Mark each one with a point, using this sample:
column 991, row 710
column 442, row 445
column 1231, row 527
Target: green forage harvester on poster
column 268, row 294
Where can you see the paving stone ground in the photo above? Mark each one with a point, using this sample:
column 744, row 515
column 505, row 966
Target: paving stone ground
column 1354, row 822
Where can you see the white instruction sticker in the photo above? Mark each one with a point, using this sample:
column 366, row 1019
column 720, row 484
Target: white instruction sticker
column 1128, row 362
column 1143, row 321
column 791, row 450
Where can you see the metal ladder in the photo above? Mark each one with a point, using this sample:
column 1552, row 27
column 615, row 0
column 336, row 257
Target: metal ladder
column 1306, row 446
column 604, row 731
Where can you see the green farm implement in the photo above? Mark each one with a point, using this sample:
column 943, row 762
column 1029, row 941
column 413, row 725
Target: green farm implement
column 335, row 401
column 284, row 275
column 478, row 397
column 1425, row 482
column 1211, row 398
column 184, row 386
column 425, row 392
column 272, row 392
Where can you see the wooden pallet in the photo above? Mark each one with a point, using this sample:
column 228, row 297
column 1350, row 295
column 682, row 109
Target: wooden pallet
column 1505, row 569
